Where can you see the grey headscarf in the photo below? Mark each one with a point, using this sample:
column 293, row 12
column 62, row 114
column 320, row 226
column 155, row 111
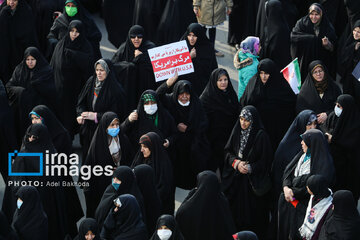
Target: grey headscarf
column 99, row 84
column 245, row 113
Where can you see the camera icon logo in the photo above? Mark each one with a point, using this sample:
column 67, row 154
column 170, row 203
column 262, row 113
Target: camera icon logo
column 13, row 155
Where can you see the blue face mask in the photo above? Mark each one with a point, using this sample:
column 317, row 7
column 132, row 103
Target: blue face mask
column 116, row 185
column 113, row 131
column 19, row 203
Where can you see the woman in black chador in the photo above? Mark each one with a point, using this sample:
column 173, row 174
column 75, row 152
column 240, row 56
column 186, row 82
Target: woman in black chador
column 318, row 92
column 109, row 146
column 192, row 149
column 272, row 96
column 118, row 17
column 222, row 109
column 350, row 57
column 73, row 10
column 276, row 35
column 342, row 128
column 145, row 178
column 101, row 93
column 345, row 219
column 31, row 84
column 245, row 180
column 123, row 182
column 54, row 200
column 314, row 158
column 72, row 62
column 124, row 220
column 150, row 116
column 205, row 212
column 176, row 17
column 313, row 37
column 202, row 54
column 166, row 226
column 133, row 66
column 17, row 32
column 153, row 153
column 30, row 221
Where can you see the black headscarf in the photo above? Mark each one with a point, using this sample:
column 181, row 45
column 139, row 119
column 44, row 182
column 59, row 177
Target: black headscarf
column 205, row 212
column 126, row 223
column 30, row 218
column 145, row 177
column 309, row 98
column 170, row 222
column 17, row 32
column 353, row 11
column 128, row 186
column 307, row 46
column 289, row 146
column 318, row 186
column 88, row 224
column 345, row 221
column 160, row 162
column 204, row 62
column 274, row 98
column 277, row 35
column 127, row 49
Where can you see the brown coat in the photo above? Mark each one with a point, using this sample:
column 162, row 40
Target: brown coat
column 212, row 12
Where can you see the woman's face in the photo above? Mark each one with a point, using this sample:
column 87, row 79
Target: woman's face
column 318, row 74
column 30, row 62
column 89, row 235
column 356, row 33
column 223, row 82
column 145, row 151
column 184, row 97
column 163, row 227
column 136, row 40
column 114, row 124
column 32, row 138
column 12, row 3
column 314, row 17
column 35, row 119
column 116, row 180
column 264, row 76
column 312, row 125
column 100, row 72
column 74, row 33
column 192, row 38
column 303, row 146
column 244, row 123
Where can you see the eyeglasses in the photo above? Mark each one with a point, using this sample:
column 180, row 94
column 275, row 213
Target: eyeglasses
column 136, row 35
column 318, row 72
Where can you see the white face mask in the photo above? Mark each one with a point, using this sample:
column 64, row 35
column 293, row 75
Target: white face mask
column 150, row 109
column 184, row 104
column 337, row 111
column 164, row 234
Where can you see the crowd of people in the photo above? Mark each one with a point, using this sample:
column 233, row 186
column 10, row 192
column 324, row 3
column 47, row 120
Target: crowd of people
column 262, row 162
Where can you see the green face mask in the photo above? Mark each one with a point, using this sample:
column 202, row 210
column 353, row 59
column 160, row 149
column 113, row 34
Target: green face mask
column 71, row 11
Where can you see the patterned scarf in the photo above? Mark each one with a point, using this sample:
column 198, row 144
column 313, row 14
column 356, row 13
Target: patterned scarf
column 244, row 133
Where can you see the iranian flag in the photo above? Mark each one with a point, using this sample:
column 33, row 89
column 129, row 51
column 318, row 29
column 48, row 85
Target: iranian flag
column 292, row 75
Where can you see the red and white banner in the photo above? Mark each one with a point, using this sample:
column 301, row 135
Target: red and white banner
column 168, row 58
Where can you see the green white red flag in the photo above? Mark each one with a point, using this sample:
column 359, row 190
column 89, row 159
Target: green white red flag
column 292, row 75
